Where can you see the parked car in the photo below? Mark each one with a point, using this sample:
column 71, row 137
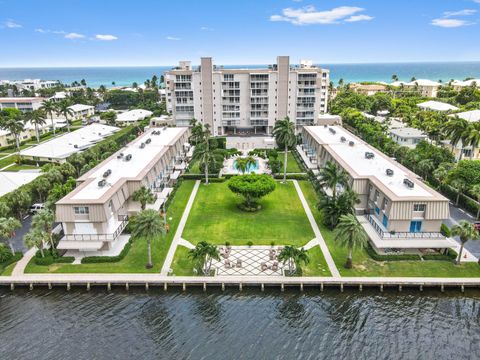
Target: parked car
column 35, row 208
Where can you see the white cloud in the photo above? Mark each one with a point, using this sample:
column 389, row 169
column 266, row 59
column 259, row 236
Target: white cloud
column 356, row 18
column 172, row 38
column 73, row 35
column 106, row 37
column 464, row 12
column 450, row 23
column 206, row 28
column 10, row 24
column 42, row 31
column 308, row 15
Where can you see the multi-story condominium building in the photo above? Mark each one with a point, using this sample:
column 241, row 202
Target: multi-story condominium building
column 246, row 101
column 31, row 84
column 397, row 210
column 24, row 104
column 425, row 87
column 94, row 215
column 81, row 111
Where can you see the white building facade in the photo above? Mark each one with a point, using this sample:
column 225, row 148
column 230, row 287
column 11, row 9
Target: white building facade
column 246, row 101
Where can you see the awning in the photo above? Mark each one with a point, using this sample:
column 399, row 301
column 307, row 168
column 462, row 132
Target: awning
column 79, row 245
column 175, row 175
column 182, row 166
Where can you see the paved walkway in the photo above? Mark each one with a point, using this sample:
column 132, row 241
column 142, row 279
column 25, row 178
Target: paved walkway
column 178, row 234
column 19, row 269
column 318, row 235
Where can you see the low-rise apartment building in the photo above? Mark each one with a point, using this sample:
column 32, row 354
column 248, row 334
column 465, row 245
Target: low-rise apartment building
column 397, row 210
column 81, row 111
column 94, row 215
column 24, row 104
column 246, row 101
column 407, row 136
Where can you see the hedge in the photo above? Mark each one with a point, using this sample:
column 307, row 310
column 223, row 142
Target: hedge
column 11, row 260
column 109, row 259
column 293, row 176
column 451, row 255
column 50, row 258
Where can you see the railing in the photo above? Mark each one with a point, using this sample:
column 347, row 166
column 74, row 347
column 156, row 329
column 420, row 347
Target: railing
column 402, row 234
column 100, row 237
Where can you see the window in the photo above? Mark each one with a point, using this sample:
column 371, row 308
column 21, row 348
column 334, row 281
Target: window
column 80, row 210
column 385, row 203
column 377, row 194
column 419, row 207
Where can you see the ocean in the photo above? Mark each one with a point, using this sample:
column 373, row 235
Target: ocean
column 125, row 76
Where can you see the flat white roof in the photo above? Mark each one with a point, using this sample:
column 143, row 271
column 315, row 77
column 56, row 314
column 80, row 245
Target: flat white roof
column 63, row 146
column 10, row 180
column 81, row 107
column 437, row 106
column 472, row 116
column 128, row 169
column 423, row 82
column 354, row 156
column 20, row 99
column 133, row 115
column 408, row 132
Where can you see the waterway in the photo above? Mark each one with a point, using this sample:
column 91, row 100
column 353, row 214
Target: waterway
column 76, row 324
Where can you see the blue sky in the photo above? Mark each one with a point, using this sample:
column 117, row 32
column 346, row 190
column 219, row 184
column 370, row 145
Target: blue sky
column 148, row 32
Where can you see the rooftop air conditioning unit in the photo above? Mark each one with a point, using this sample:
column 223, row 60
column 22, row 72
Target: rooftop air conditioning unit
column 408, row 183
column 107, row 173
column 142, row 145
column 369, row 155
column 119, row 156
column 164, row 128
column 128, row 157
column 351, row 143
column 75, row 146
column 148, row 141
column 389, row 172
column 343, row 139
column 102, row 183
column 332, row 131
column 325, row 126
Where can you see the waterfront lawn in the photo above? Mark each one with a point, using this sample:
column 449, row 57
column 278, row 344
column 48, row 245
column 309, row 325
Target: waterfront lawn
column 215, row 218
column 364, row 265
column 182, row 265
column 135, row 260
column 292, row 164
column 317, row 266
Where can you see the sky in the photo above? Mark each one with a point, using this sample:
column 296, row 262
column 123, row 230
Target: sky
column 52, row 33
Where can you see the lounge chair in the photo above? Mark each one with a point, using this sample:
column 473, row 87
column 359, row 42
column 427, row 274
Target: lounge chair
column 227, row 264
column 239, row 263
column 263, row 266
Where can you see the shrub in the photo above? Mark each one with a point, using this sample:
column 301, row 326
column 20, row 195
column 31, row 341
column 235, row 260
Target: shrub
column 292, row 176
column 252, row 187
column 272, row 153
column 11, row 260
column 227, row 243
column 275, row 165
column 445, row 230
column 5, row 253
column 391, row 257
column 250, row 243
column 107, row 259
column 272, row 243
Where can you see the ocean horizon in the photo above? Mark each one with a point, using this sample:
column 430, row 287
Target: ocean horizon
column 349, row 72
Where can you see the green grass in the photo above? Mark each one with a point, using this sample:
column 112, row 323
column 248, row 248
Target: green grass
column 18, row 167
column 317, row 266
column 182, row 265
column 194, row 168
column 136, row 259
column 7, row 161
column 8, row 269
column 216, row 218
column 292, row 165
column 364, row 265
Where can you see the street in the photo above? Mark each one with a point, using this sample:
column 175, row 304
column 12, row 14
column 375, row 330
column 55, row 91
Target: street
column 456, row 215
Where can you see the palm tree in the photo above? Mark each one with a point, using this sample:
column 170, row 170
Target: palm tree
column 203, row 254
column 341, row 82
column 456, row 130
column 460, row 186
column 465, row 231
column 203, row 152
column 144, row 196
column 14, row 124
column 394, row 77
column 49, row 107
column 425, row 167
column 63, row 107
column 331, row 175
column 243, row 164
column 284, row 133
column 44, row 221
column 332, row 209
column 473, row 137
column 293, row 256
column 37, row 118
column 8, row 226
column 148, row 225
column 475, row 191
column 36, row 238
column 350, row 234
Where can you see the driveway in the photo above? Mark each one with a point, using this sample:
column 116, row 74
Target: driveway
column 17, row 241
column 456, row 215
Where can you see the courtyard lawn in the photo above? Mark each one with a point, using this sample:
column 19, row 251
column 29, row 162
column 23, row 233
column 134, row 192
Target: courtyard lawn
column 194, row 168
column 292, row 164
column 364, row 265
column 136, row 258
column 18, row 167
column 182, row 265
column 215, row 218
column 317, row 266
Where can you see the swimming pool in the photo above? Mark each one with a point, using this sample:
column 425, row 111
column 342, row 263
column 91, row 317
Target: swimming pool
column 251, row 168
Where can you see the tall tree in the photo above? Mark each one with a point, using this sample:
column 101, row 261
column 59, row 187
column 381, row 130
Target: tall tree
column 8, row 226
column 465, row 231
column 49, row 107
column 472, row 137
column 460, row 185
column 36, row 238
column 456, row 130
column 284, row 133
column 63, row 107
column 350, row 234
column 12, row 121
column 475, row 191
column 37, row 118
column 148, row 225
column 144, row 196
column 331, row 176
column 203, row 255
column 204, row 153
column 44, row 221
column 293, row 257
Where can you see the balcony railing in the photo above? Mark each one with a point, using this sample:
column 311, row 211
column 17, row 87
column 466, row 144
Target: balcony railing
column 402, row 235
column 100, row 237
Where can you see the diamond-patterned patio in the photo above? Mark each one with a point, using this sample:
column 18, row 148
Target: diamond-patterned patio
column 244, row 260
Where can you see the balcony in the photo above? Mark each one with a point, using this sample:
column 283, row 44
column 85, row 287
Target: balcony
column 230, row 122
column 385, row 234
column 259, row 122
column 123, row 219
